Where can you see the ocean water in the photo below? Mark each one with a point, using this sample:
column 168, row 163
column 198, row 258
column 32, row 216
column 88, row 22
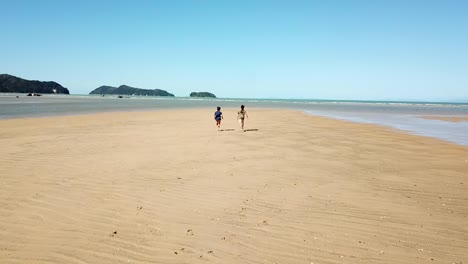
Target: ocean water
column 404, row 116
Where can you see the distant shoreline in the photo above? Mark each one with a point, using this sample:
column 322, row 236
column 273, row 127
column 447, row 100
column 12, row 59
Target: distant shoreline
column 411, row 118
column 455, row 102
column 401, row 116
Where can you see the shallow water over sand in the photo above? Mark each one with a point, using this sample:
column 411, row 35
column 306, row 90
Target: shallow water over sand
column 455, row 132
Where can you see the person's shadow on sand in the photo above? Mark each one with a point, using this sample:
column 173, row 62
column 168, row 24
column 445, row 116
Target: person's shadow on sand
column 231, row 129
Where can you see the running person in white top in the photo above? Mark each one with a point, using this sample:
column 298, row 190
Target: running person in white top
column 241, row 115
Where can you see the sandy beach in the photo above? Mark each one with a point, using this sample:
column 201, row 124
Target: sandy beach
column 167, row 187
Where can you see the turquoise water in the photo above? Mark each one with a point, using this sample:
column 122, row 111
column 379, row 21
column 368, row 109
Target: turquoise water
column 404, row 116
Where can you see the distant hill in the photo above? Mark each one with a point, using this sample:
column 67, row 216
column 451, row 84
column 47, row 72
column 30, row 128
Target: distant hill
column 202, row 94
column 13, row 84
column 127, row 90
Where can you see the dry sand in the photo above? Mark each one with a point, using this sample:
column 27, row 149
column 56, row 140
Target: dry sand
column 448, row 118
column 167, row 187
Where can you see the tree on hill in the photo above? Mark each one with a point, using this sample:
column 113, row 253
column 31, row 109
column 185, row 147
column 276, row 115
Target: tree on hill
column 128, row 90
column 13, row 84
column 202, row 94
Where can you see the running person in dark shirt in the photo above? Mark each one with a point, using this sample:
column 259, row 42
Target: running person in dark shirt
column 218, row 115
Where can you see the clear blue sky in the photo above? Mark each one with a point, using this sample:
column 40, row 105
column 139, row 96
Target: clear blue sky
column 412, row 50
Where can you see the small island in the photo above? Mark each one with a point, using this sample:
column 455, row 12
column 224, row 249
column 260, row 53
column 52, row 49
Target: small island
column 128, row 90
column 13, row 84
column 202, row 94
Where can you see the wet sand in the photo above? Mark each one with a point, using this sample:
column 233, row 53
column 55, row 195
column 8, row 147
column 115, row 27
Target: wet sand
column 167, row 187
column 448, row 118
